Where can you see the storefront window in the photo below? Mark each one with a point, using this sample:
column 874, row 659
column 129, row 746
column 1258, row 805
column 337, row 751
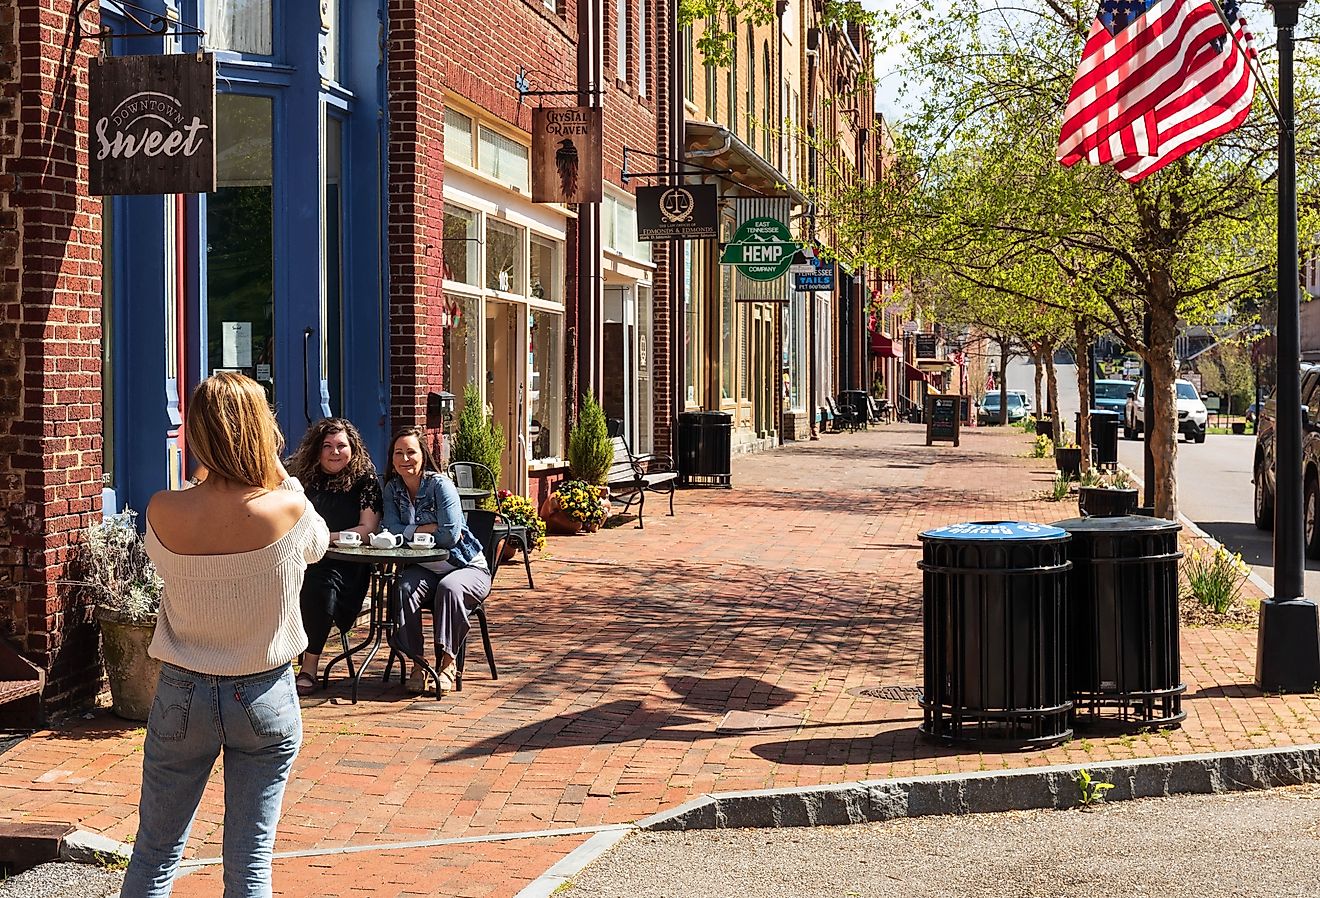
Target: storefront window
column 547, row 281
column 690, row 336
column 458, row 137
column 460, row 340
column 244, row 26
column 504, row 258
column 240, row 268
column 545, row 349
column 645, row 388
column 461, row 245
column 330, row 22
column 504, row 159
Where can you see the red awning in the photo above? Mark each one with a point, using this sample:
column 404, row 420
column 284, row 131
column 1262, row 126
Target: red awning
column 915, row 373
column 883, row 345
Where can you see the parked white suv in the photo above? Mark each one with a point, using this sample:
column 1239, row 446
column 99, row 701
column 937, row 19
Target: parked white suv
column 1192, row 414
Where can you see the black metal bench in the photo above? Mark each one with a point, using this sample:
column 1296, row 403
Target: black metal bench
column 631, row 477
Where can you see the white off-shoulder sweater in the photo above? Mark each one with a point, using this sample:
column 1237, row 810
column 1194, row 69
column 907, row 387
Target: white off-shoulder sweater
column 238, row 614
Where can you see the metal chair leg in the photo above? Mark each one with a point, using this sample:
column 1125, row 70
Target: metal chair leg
column 485, row 641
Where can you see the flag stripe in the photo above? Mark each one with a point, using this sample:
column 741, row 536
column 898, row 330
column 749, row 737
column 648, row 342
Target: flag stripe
column 1121, row 76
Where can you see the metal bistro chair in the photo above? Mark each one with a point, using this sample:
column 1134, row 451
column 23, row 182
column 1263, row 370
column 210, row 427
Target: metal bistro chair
column 482, row 525
column 476, row 481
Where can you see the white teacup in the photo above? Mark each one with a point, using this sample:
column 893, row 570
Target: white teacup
column 422, row 541
column 349, row 538
column 386, row 540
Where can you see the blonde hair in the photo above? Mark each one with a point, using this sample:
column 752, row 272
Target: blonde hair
column 232, row 432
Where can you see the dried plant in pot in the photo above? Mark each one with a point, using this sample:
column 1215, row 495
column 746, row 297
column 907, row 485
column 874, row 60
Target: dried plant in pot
column 112, row 568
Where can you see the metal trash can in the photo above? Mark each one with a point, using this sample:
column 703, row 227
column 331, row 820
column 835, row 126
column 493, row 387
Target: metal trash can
column 995, row 618
column 1105, row 425
column 1123, row 601
column 705, row 449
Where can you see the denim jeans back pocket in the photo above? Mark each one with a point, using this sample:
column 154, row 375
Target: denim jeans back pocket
column 168, row 719
column 272, row 706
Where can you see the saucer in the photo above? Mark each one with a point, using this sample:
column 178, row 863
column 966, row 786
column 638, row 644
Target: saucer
column 421, row 545
column 340, row 544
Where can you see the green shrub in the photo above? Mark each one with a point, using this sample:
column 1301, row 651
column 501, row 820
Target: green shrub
column 1060, row 487
column 590, row 452
column 1214, row 577
column 478, row 439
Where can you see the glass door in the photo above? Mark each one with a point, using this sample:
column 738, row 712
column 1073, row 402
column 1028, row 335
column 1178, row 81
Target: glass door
column 619, row 359
column 506, row 386
column 240, row 260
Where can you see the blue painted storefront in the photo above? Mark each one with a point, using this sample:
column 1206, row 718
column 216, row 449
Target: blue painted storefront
column 326, row 271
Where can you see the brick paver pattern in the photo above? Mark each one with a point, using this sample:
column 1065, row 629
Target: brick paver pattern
column 785, row 595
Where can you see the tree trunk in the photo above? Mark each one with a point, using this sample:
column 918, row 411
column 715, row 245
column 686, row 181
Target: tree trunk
column 1003, row 380
column 1160, row 354
column 1035, row 360
column 1083, row 353
column 1052, row 393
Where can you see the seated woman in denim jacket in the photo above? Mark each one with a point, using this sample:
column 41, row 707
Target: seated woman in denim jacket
column 419, row 499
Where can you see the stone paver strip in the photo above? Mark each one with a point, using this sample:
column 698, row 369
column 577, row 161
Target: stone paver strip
column 783, row 596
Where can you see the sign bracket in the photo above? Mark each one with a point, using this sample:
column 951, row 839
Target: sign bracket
column 523, row 84
column 702, row 170
column 155, row 24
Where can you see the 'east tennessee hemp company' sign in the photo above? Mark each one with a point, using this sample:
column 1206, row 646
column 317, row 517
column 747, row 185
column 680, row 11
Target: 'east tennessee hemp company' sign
column 762, row 249
column 152, row 120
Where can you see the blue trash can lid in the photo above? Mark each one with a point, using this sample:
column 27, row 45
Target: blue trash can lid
column 995, row 530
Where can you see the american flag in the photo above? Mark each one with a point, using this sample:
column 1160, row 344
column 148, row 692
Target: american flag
column 1158, row 78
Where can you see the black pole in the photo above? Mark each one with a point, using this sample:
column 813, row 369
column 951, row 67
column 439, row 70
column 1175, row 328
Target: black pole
column 1288, row 642
column 1147, row 416
column 589, row 299
column 676, row 150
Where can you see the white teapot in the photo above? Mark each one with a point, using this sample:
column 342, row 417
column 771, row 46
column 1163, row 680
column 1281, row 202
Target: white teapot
column 386, row 540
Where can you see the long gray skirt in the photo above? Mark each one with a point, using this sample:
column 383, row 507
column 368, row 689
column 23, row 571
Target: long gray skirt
column 450, row 598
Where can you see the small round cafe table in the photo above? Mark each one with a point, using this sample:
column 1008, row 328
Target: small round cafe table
column 383, row 593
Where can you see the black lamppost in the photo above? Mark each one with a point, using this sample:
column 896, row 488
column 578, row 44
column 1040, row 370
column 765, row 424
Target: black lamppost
column 1288, row 643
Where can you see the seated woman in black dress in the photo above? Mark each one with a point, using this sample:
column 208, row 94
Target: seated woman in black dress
column 340, row 480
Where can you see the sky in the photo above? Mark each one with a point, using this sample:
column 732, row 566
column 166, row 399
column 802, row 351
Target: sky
column 888, row 80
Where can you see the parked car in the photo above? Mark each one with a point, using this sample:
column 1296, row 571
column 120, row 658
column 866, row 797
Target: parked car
column 1263, row 473
column 1192, row 414
column 1111, row 395
column 987, row 412
column 1026, row 400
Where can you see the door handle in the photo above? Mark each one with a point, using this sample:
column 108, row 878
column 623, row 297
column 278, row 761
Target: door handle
column 307, row 336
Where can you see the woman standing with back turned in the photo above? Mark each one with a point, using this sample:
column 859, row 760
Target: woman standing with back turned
column 232, row 557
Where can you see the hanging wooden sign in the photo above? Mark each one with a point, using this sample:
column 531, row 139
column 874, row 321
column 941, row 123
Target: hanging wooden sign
column 152, row 121
column 567, row 165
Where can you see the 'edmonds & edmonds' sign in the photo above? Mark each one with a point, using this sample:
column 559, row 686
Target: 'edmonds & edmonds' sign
column 153, row 125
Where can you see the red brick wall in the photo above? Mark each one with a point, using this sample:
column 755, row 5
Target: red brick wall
column 417, row 29
column 50, row 399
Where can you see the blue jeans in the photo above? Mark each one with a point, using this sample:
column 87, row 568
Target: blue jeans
column 256, row 721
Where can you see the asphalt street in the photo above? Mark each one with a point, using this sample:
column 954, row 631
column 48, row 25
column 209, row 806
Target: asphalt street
column 1214, row 490
column 1240, row 845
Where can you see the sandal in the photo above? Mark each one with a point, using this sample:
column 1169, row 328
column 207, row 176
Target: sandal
column 419, row 681
column 306, row 683
column 447, row 681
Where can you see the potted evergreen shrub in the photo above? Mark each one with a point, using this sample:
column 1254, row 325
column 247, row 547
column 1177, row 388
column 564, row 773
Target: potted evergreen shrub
column 590, row 452
column 112, row 566
column 1106, row 494
column 478, row 438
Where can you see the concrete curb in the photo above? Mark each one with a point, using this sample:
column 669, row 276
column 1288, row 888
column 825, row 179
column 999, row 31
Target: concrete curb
column 82, row 847
column 572, row 864
column 872, row 801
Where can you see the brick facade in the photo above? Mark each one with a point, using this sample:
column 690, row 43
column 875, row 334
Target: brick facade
column 50, row 366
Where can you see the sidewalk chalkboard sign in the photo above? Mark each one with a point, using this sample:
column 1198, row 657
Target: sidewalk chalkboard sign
column 943, row 419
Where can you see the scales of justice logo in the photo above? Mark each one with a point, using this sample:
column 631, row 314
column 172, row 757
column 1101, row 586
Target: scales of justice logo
column 677, row 206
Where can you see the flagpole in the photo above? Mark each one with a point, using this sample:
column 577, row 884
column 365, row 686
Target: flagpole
column 1252, row 60
column 1288, row 641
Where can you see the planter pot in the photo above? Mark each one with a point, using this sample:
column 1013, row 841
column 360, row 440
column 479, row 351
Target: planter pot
column 131, row 671
column 1068, row 461
column 1239, row 427
column 1045, row 427
column 1099, row 502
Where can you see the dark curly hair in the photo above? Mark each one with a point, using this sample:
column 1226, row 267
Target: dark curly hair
column 305, row 463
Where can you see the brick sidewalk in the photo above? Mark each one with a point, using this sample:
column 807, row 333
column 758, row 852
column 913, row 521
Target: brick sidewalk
column 784, row 595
